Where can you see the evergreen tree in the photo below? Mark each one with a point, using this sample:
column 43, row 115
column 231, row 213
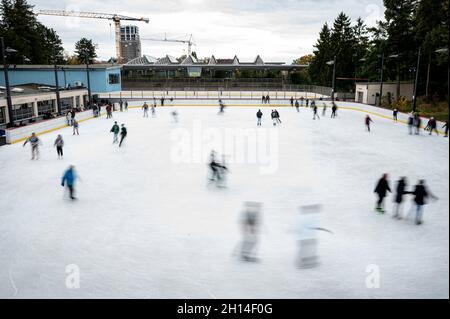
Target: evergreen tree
column 85, row 49
column 21, row 30
column 319, row 72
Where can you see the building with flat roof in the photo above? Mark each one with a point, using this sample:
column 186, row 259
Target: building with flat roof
column 369, row 92
column 103, row 77
column 34, row 102
column 130, row 42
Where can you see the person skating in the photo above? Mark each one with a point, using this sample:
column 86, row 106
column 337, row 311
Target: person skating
column 395, row 115
column 273, row 117
column 267, row 99
column 145, row 108
column 277, row 117
column 34, row 142
column 292, row 101
column 445, row 127
column 307, row 102
column 123, row 134
column 433, row 126
column 126, row 106
column 154, row 109
column 368, row 120
column 381, row 190
column 121, row 105
column 250, row 231
column 115, row 130
column 324, row 110
column 68, row 180
column 259, row 115
column 221, row 107
column 69, row 118
column 417, row 123
column 399, row 194
column 175, row 116
column 108, row 111
column 59, row 143
column 315, row 114
column 75, row 127
column 162, row 101
column 263, row 99
column 410, row 123
column 72, row 117
column 297, row 106
column 421, row 193
column 333, row 110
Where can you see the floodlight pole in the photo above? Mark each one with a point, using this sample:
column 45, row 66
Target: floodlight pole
column 8, row 89
column 415, row 82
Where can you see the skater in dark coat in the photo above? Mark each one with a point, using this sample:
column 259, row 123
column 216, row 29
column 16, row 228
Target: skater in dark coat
column 368, row 120
column 263, row 99
column 433, row 126
column 324, row 110
column 259, row 115
column 123, row 134
column 115, row 130
column 381, row 190
column 292, row 101
column 410, row 123
column 297, row 106
column 399, row 193
column 445, row 126
column 395, row 115
column 315, row 114
column 417, row 123
column 333, row 110
column 421, row 193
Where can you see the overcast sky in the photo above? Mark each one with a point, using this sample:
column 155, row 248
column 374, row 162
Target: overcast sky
column 278, row 30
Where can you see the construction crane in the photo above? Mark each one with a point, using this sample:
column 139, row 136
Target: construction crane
column 189, row 42
column 114, row 17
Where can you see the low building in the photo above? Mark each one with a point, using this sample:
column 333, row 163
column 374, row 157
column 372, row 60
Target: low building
column 103, row 77
column 369, row 92
column 34, row 102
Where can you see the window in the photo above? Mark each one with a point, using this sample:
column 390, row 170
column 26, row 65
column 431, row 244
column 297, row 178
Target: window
column 66, row 103
column 2, row 115
column 114, row 78
column 22, row 111
column 45, row 107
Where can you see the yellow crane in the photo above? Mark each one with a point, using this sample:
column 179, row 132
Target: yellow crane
column 93, row 15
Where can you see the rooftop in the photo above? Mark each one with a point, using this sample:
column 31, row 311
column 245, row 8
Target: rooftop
column 33, row 88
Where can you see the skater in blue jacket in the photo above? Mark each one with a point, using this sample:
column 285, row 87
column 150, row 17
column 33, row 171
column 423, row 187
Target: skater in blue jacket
column 68, row 180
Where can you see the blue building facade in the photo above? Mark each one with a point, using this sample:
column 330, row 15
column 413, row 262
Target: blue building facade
column 103, row 78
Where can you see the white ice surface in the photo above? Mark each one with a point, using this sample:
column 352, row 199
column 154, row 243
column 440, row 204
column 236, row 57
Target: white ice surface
column 145, row 227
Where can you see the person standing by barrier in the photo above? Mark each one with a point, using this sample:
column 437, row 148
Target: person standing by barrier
column 417, row 123
column 410, row 123
column 445, row 126
column 395, row 115
column 121, row 105
column 145, row 108
column 292, row 101
column 59, row 143
column 34, row 142
column 297, row 106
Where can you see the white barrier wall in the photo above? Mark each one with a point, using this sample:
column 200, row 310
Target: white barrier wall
column 19, row 134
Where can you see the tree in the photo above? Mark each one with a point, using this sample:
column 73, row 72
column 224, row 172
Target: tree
column 319, row 71
column 85, row 49
column 21, row 30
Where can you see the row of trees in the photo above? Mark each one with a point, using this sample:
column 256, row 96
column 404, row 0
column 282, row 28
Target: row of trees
column 34, row 42
column 407, row 26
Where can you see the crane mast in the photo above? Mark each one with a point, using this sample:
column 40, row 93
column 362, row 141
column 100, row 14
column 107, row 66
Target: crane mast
column 95, row 15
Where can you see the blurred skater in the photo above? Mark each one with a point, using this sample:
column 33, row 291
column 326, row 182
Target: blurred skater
column 324, row 110
column 381, row 190
column 250, row 231
column 297, row 106
column 221, row 107
column 277, row 117
column 433, row 126
column 292, row 101
column 417, row 123
column 75, row 127
column 68, row 180
column 59, row 144
column 123, row 134
column 333, row 110
column 109, row 111
column 153, row 110
column 421, row 193
column 410, row 123
column 145, row 108
column 399, row 193
column 34, row 142
column 175, row 116
column 395, row 115
column 367, row 121
column 115, row 130
column 445, row 126
column 315, row 109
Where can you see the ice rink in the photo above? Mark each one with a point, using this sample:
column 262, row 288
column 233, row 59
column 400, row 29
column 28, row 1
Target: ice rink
column 147, row 224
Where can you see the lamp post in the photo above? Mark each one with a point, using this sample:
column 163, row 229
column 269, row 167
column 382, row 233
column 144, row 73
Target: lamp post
column 333, row 62
column 88, row 79
column 58, row 98
column 8, row 89
column 415, row 82
column 381, row 79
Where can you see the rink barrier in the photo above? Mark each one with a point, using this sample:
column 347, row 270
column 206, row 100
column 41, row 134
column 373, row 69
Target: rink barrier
column 20, row 134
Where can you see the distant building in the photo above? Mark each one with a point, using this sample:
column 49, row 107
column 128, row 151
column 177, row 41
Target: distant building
column 33, row 102
column 369, row 92
column 103, row 77
column 130, row 42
